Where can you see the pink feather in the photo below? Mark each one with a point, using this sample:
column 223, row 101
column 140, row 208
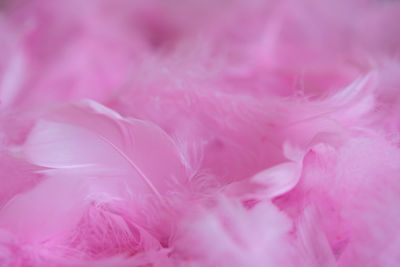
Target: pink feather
column 199, row 133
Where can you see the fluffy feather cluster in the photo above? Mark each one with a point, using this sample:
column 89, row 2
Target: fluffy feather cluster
column 199, row 133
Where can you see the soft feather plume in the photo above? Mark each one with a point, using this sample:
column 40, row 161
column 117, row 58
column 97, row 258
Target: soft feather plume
column 199, row 133
column 118, row 163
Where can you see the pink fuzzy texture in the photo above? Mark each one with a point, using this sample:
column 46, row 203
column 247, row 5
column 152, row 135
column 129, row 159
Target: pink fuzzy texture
column 200, row 133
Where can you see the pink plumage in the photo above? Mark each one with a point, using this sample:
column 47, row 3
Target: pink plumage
column 199, row 133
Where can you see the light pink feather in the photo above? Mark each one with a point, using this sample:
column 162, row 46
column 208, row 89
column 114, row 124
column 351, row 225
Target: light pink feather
column 199, row 133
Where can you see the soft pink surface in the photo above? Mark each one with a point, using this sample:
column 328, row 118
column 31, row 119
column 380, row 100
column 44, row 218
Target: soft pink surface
column 199, row 133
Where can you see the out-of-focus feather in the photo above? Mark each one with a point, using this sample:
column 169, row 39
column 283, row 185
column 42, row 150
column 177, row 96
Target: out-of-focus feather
column 228, row 234
column 23, row 175
column 268, row 184
column 52, row 206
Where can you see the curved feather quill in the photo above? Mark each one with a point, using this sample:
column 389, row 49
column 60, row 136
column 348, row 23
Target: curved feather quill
column 93, row 139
